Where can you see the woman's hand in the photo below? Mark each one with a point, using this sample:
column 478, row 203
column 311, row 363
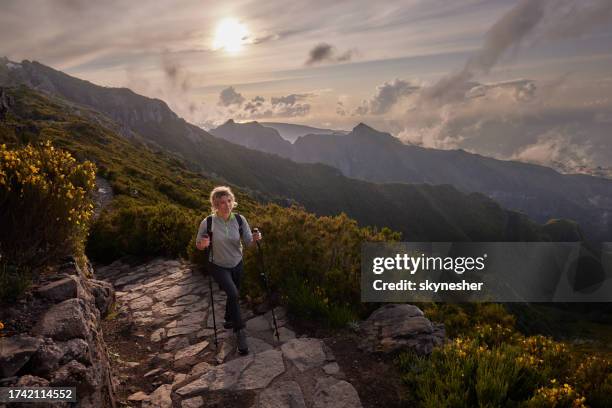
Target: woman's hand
column 257, row 235
column 203, row 243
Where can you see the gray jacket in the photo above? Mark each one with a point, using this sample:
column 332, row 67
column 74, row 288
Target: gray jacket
column 227, row 248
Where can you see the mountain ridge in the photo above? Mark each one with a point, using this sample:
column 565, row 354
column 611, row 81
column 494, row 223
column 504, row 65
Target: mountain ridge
column 541, row 192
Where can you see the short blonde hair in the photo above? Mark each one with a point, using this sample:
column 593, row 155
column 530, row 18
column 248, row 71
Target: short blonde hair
column 219, row 192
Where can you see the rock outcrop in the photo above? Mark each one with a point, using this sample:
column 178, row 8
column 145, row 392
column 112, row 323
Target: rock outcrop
column 65, row 347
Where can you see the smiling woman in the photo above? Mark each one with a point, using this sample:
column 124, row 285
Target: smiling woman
column 230, row 35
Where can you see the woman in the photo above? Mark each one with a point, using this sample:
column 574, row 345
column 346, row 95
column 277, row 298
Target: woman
column 226, row 254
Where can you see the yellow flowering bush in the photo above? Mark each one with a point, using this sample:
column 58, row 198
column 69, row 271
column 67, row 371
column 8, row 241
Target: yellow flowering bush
column 533, row 371
column 593, row 377
column 556, row 396
column 45, row 204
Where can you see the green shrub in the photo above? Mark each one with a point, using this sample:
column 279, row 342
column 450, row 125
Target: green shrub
column 45, row 204
column 309, row 303
column 314, row 262
column 146, row 230
column 460, row 319
column 177, row 194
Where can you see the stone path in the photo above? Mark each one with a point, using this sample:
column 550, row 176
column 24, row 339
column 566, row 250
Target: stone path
column 169, row 303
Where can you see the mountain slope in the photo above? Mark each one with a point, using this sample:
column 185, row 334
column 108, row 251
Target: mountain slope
column 254, row 136
column 421, row 212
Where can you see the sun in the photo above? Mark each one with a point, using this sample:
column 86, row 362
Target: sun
column 230, row 35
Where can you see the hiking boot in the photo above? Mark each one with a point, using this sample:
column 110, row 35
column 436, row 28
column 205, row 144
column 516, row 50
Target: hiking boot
column 228, row 324
column 243, row 347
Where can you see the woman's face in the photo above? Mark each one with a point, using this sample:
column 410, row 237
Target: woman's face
column 224, row 205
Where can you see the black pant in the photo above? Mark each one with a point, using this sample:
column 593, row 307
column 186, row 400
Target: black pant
column 228, row 279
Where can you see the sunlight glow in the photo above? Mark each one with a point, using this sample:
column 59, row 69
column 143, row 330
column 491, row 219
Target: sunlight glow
column 230, row 35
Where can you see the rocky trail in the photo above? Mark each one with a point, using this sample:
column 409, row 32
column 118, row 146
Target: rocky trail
column 160, row 337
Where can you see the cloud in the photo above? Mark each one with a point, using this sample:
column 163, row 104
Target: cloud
column 575, row 18
column 324, row 52
column 229, row 96
column 254, row 104
column 387, row 95
column 562, row 123
column 507, row 32
column 176, row 74
column 289, row 99
column 301, row 109
column 233, row 104
column 340, row 110
column 521, row 90
column 439, row 133
column 556, row 148
column 289, row 105
column 537, row 20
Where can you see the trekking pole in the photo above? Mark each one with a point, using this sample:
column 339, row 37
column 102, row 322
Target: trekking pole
column 210, row 286
column 267, row 287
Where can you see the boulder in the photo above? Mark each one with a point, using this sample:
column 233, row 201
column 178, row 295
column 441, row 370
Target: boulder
column 399, row 326
column 47, row 358
column 75, row 374
column 50, row 355
column 59, row 290
column 64, row 321
column 75, row 349
column 15, row 352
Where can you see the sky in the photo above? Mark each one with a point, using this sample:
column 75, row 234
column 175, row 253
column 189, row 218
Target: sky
column 526, row 80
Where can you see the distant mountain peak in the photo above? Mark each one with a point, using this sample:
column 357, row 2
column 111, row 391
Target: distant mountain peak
column 232, row 122
column 362, row 126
